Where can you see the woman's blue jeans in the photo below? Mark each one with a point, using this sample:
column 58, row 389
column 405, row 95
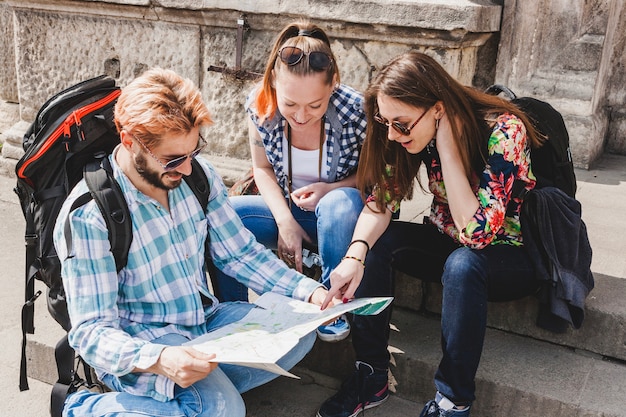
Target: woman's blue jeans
column 330, row 226
column 470, row 279
column 217, row 395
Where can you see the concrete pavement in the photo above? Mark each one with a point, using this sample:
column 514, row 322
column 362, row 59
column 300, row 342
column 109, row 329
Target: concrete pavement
column 592, row 385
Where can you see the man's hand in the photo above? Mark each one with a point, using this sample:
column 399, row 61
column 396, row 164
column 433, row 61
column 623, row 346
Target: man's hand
column 183, row 364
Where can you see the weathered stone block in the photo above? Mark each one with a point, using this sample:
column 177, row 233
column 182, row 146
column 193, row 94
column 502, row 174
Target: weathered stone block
column 9, row 115
column 10, row 151
column 616, row 138
column 56, row 50
column 557, row 52
column 409, row 292
column 473, row 16
column 15, row 134
column 582, row 131
column 8, row 81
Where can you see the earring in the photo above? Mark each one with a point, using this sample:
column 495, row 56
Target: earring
column 436, row 126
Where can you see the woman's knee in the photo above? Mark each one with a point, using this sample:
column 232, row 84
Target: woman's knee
column 464, row 265
column 339, row 203
column 252, row 206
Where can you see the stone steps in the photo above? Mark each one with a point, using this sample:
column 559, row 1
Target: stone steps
column 518, row 376
column 524, row 370
column 603, row 331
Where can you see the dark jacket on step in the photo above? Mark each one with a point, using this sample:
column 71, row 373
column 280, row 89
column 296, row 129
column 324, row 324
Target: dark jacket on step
column 556, row 239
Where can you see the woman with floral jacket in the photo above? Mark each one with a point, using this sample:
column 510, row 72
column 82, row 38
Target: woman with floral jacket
column 474, row 147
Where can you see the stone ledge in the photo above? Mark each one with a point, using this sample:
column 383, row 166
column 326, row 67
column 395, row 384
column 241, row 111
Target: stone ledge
column 15, row 134
column 605, row 315
column 230, row 169
column 461, row 16
column 473, row 16
column 7, row 167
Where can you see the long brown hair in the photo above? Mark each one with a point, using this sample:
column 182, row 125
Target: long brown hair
column 309, row 38
column 419, row 81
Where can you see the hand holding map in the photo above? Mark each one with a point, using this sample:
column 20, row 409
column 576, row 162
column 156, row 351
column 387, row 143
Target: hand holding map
column 272, row 329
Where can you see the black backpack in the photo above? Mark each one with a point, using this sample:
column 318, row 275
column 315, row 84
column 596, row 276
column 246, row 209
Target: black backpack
column 552, row 163
column 555, row 235
column 70, row 139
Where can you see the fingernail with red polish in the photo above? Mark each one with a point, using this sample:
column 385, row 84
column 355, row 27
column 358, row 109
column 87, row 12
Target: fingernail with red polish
column 345, row 300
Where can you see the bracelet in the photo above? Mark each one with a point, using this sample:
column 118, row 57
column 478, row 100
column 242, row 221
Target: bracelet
column 355, row 258
column 367, row 245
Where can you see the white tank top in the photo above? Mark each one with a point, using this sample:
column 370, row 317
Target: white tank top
column 304, row 168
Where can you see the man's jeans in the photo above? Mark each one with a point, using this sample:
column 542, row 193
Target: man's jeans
column 218, row 395
column 470, row 278
column 330, row 227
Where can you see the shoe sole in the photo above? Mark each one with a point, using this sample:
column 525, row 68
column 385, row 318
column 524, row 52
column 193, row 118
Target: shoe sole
column 360, row 410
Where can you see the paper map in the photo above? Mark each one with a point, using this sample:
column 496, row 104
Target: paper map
column 272, row 329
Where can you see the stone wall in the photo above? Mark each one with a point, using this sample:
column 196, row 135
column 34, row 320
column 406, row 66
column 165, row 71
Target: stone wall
column 568, row 52
column 8, row 80
column 614, row 77
column 60, row 42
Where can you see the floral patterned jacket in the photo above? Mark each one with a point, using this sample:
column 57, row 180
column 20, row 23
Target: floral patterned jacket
column 497, row 220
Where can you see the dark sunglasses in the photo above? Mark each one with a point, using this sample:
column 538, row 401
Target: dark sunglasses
column 397, row 126
column 179, row 160
column 292, row 55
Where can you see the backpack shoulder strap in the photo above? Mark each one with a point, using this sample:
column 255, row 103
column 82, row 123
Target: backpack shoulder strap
column 105, row 190
column 109, row 197
column 199, row 184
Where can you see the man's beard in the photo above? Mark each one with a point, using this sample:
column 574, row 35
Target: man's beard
column 154, row 178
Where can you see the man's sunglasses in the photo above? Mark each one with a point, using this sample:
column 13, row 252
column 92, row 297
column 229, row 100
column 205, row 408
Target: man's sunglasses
column 177, row 161
column 292, row 55
column 397, row 126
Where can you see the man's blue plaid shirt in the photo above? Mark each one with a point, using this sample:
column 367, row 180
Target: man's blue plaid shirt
column 114, row 317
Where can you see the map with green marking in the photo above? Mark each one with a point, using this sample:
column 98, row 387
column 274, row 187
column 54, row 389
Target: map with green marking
column 272, row 329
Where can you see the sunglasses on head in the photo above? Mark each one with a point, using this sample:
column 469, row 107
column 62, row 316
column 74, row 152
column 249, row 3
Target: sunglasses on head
column 177, row 161
column 292, row 55
column 397, row 126
column 315, row 33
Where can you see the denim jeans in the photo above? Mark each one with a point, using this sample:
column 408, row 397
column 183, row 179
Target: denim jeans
column 330, row 226
column 217, row 395
column 470, row 279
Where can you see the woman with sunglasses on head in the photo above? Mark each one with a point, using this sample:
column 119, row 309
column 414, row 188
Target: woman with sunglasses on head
column 306, row 131
column 475, row 147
